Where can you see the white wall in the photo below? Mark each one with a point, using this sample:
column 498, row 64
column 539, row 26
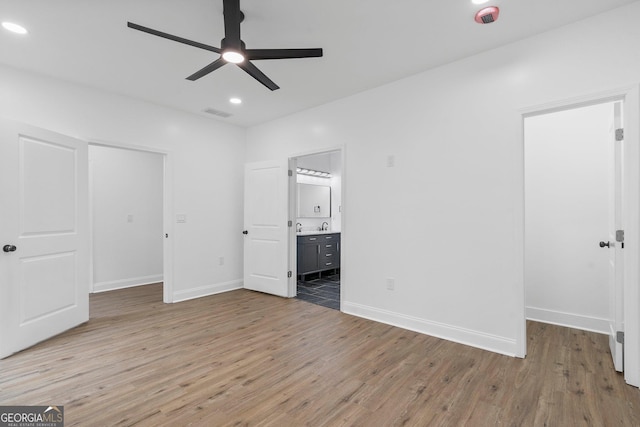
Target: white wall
column 568, row 160
column 446, row 220
column 126, row 217
column 206, row 159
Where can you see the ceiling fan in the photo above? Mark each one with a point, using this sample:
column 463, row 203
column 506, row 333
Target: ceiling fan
column 232, row 48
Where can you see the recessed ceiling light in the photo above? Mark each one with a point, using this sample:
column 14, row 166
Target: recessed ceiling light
column 235, row 100
column 233, row 56
column 14, row 28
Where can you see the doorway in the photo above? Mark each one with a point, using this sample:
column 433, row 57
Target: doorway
column 573, row 207
column 126, row 196
column 318, row 242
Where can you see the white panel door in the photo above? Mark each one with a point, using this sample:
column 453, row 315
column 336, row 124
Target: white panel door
column 616, row 270
column 266, row 248
column 44, row 264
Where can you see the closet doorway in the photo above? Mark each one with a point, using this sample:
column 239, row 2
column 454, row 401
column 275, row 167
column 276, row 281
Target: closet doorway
column 126, row 198
column 573, row 207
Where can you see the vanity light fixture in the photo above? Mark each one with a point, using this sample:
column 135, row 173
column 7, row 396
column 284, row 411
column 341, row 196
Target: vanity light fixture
column 311, row 172
column 14, row 28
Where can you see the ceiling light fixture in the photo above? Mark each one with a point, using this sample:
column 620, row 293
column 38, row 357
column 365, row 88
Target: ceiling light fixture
column 14, row 28
column 233, row 56
column 235, row 100
column 479, row 1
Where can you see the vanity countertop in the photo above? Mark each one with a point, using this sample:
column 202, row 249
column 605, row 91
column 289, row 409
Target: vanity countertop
column 307, row 233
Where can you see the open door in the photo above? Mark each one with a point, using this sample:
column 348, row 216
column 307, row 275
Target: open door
column 44, row 264
column 616, row 270
column 266, row 229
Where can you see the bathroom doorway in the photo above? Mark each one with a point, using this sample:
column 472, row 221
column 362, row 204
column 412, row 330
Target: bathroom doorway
column 319, row 228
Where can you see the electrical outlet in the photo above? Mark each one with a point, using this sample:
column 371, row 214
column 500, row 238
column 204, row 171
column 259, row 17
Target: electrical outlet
column 221, row 260
column 391, row 283
column 130, row 218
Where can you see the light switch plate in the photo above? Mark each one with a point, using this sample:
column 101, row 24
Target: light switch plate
column 391, row 161
column 391, row 283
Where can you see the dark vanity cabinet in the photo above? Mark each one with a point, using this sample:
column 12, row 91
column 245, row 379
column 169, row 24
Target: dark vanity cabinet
column 318, row 252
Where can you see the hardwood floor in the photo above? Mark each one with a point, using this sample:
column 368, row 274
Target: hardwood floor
column 243, row 358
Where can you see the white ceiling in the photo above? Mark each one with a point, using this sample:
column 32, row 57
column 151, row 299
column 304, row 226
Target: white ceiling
column 366, row 43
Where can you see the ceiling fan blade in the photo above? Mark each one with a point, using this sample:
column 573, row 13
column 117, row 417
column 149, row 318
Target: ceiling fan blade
column 172, row 37
column 283, row 53
column 232, row 19
column 206, row 70
column 254, row 72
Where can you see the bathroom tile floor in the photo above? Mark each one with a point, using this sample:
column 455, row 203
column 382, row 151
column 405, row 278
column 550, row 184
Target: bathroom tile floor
column 322, row 290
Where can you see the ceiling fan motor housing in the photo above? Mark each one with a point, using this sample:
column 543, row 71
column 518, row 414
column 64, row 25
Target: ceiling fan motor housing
column 487, row 15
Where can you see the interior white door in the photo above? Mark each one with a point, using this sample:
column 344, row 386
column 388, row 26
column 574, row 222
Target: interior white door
column 616, row 270
column 44, row 264
column 266, row 216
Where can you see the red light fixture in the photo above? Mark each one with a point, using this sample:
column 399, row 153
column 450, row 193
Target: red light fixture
column 487, row 15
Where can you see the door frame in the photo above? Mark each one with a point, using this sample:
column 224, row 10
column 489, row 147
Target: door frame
column 630, row 96
column 293, row 202
column 167, row 209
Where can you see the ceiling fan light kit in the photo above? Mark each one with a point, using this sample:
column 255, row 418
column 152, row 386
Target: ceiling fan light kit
column 487, row 15
column 232, row 49
column 14, row 28
column 233, row 57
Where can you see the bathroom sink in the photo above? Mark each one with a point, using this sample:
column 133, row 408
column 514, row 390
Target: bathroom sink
column 302, row 233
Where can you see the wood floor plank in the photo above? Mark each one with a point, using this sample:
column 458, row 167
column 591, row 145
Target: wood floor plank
column 247, row 359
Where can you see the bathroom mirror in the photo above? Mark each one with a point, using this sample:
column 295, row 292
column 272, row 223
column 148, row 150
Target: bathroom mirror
column 314, row 201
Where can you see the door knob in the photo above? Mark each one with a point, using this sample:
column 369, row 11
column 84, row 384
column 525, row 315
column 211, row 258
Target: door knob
column 245, row 232
column 9, row 248
column 603, row 244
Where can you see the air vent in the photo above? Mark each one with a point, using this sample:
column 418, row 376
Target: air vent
column 487, row 19
column 218, row 113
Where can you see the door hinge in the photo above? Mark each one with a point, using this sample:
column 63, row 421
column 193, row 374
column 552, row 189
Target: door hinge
column 620, row 237
column 290, row 172
column 289, row 223
column 289, row 273
column 620, row 337
column 619, row 134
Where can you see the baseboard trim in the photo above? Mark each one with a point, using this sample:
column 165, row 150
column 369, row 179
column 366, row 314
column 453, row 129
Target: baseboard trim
column 207, row 290
column 456, row 334
column 126, row 283
column 569, row 320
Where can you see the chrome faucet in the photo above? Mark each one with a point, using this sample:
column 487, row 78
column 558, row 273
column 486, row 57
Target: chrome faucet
column 323, row 226
column 298, row 227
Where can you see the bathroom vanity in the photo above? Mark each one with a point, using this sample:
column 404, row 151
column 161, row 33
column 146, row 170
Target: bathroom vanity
column 318, row 252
